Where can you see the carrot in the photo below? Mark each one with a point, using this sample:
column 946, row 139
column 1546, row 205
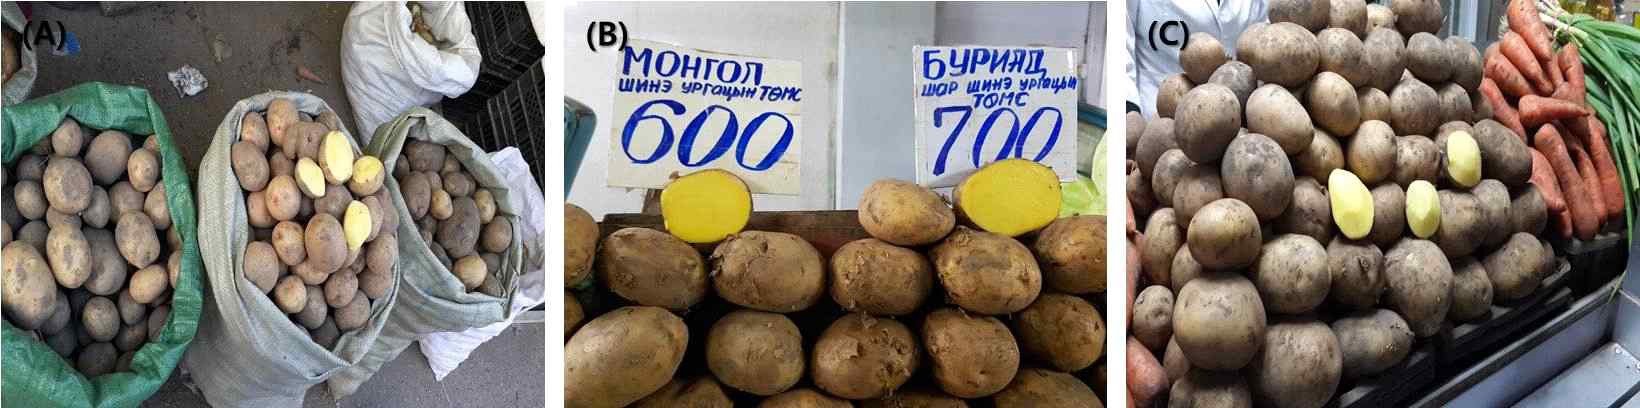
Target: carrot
column 1584, row 218
column 1146, row 378
column 1564, row 219
column 1585, row 168
column 1543, row 176
column 1505, row 114
column 1557, row 77
column 1610, row 184
column 1572, row 63
column 1515, row 50
column 1504, row 73
column 1536, row 110
column 1523, row 19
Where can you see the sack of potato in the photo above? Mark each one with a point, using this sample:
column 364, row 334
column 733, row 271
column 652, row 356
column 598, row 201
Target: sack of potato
column 21, row 67
column 299, row 249
column 102, row 286
column 458, row 257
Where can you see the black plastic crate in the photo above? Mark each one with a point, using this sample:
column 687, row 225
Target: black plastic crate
column 511, row 117
column 508, row 43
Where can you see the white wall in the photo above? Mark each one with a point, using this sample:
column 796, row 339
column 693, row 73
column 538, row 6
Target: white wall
column 804, row 32
column 1053, row 24
column 878, row 139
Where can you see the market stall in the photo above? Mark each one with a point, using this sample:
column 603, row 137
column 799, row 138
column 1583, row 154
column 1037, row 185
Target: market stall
column 1409, row 213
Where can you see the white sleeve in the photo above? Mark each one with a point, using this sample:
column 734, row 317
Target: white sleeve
column 1129, row 66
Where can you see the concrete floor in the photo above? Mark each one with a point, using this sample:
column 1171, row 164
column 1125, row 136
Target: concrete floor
column 265, row 43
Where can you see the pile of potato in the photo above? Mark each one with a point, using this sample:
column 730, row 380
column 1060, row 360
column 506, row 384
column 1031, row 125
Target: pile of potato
column 926, row 312
column 84, row 273
column 455, row 215
column 1317, row 202
column 324, row 238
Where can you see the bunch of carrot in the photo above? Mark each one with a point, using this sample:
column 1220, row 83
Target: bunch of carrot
column 1541, row 93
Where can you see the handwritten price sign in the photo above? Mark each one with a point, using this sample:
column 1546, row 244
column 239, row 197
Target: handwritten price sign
column 976, row 104
column 681, row 110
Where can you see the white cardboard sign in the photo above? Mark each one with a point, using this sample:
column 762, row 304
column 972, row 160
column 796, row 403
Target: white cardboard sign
column 681, row 110
column 978, row 104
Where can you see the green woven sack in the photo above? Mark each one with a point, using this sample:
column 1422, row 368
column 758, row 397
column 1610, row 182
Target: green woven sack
column 35, row 376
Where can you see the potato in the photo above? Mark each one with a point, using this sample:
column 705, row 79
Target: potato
column 1202, row 54
column 1163, row 238
column 1299, row 365
column 1152, row 321
column 1382, row 52
column 1310, row 213
column 424, row 156
column 249, row 165
column 97, row 214
column 1334, row 103
column 972, row 356
column 918, row 398
column 1380, row 16
column 1071, row 253
column 1202, row 388
column 1171, row 93
column 101, row 319
column 57, row 219
column 1348, row 14
column 1416, row 158
column 1170, row 168
column 1340, row 53
column 281, row 114
column 69, row 255
column 35, row 233
column 1256, row 172
column 306, row 140
column 1237, row 76
column 326, row 247
column 440, row 205
column 1198, row 186
column 31, row 167
column 30, row 291
column 334, row 202
column 288, row 242
column 284, row 199
column 1062, row 330
column 1174, row 362
column 315, row 313
column 756, row 352
column 1429, row 58
column 1184, row 268
column 326, row 335
column 459, row 233
column 105, row 158
column 62, row 313
column 1371, row 341
column 357, row 224
column 1467, row 63
column 1034, row 387
column 1311, row 15
column 804, row 398
column 1374, row 104
column 1208, row 117
column 279, row 165
column 1512, row 268
column 1493, row 201
column 336, row 157
column 1417, row 16
column 1414, row 108
column 339, row 290
column 67, row 139
column 1461, row 227
column 1139, row 195
column 145, row 169
column 1455, row 102
column 1419, row 282
column 458, row 183
column 701, row 392
column 904, row 213
column 1283, row 53
column 374, row 284
column 310, row 178
column 261, row 265
column 859, row 357
column 1008, row 281
column 354, row 315
column 97, row 359
column 1219, row 321
column 1291, row 274
column 67, row 185
column 157, row 208
column 1504, row 156
column 149, row 283
column 30, row 199
column 1389, row 219
column 254, row 130
column 1157, row 139
column 875, row 277
column 108, row 268
column 137, row 240
column 769, row 271
column 1471, row 290
column 470, row 270
column 650, row 267
column 1372, row 152
column 1527, row 211
column 1423, row 209
column 1224, row 235
column 156, row 321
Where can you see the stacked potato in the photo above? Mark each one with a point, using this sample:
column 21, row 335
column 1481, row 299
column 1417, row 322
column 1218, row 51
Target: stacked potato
column 924, row 313
column 324, row 232
column 85, row 272
column 456, row 217
column 1361, row 199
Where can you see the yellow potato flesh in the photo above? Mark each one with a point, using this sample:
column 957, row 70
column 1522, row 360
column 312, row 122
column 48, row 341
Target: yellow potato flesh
column 706, row 206
column 1351, row 203
column 1463, row 159
column 1423, row 209
column 1010, row 197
